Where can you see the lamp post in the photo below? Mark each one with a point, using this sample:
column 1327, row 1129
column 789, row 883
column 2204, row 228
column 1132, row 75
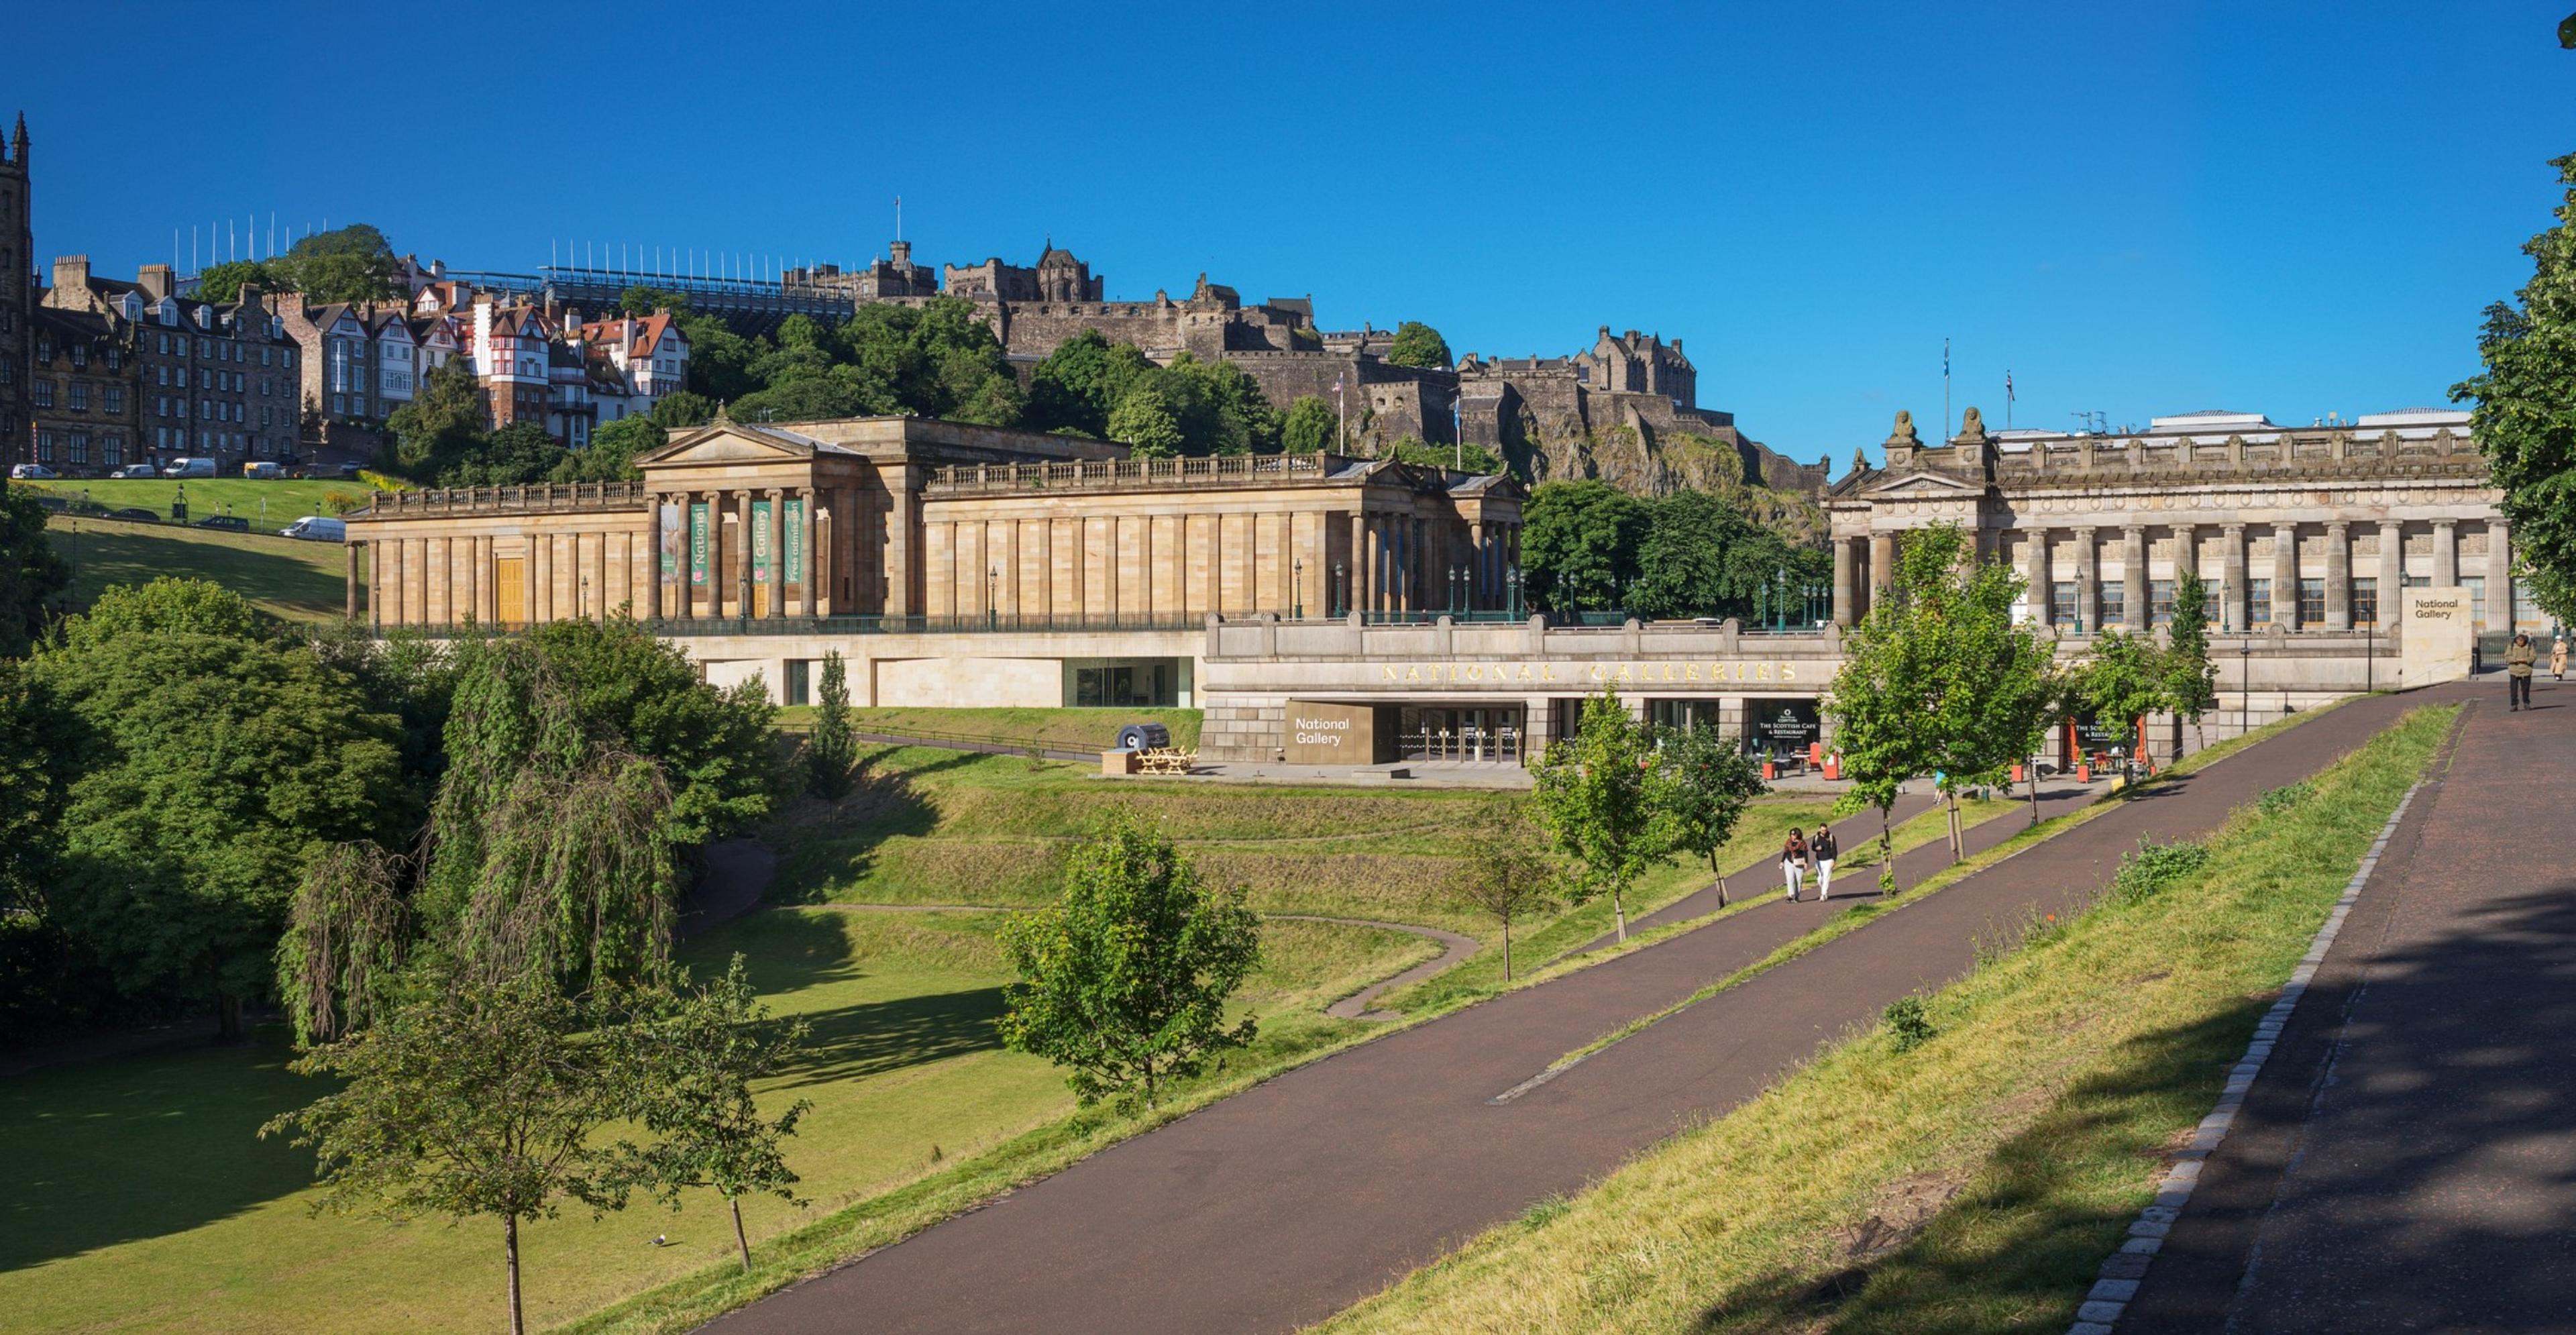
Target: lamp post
column 1333, row 595
column 1297, row 591
column 2244, row 690
column 1512, row 584
column 992, row 614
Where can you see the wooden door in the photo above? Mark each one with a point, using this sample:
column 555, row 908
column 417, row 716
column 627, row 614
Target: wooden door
column 510, row 590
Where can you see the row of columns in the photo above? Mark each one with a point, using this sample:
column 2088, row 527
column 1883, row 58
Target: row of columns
column 730, row 562
column 1395, row 564
column 443, row 581
column 2234, row 576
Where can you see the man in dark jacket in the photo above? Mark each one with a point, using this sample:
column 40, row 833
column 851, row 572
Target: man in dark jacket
column 2517, row 674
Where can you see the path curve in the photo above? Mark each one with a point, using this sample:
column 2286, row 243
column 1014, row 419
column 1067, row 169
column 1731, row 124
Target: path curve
column 1352, row 1007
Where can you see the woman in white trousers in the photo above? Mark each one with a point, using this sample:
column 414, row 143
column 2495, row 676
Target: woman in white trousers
column 1793, row 862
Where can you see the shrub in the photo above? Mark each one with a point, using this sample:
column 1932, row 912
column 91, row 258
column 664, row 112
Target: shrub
column 2153, row 866
column 1908, row 1024
column 2278, row 800
column 342, row 502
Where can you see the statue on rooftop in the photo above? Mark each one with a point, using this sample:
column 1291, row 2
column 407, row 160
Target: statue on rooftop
column 1972, row 424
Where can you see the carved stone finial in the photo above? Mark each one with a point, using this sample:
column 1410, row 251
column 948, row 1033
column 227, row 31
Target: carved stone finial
column 1972, row 424
column 1904, row 426
column 723, row 418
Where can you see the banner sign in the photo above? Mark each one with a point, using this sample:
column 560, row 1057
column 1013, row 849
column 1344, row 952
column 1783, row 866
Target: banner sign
column 1782, row 725
column 667, row 539
column 699, row 574
column 761, row 554
column 794, row 570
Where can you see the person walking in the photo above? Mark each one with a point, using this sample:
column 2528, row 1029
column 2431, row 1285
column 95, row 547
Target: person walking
column 2558, row 657
column 1825, row 848
column 1793, row 862
column 2517, row 671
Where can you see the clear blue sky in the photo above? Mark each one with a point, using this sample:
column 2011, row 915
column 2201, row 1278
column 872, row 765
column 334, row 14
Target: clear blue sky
column 2139, row 209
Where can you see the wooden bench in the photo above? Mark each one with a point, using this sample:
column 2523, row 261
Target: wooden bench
column 1166, row 760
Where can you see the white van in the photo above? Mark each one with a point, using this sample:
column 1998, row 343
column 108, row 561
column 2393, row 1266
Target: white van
column 263, row 468
column 190, row 468
column 318, row 528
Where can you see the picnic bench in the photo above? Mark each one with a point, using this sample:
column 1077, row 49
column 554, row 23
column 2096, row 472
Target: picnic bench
column 1166, row 760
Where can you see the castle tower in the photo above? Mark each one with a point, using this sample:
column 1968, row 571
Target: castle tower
column 17, row 299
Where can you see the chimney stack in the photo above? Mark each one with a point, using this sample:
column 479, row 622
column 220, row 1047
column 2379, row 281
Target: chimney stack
column 155, row 280
column 71, row 273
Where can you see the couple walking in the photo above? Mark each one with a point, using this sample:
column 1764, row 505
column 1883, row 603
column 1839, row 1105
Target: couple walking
column 1802, row 855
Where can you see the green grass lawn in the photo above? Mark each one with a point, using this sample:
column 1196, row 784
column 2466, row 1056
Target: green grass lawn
column 299, row 580
column 286, row 499
column 1975, row 1182
column 1055, row 729
column 133, row 1196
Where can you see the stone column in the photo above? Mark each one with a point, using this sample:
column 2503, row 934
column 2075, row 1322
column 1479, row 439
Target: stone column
column 349, row 553
column 1882, row 565
column 777, row 535
column 810, row 579
column 2038, row 575
column 2392, row 570
column 2285, row 575
column 1843, row 590
column 2446, row 553
column 2499, row 575
column 2231, row 598
column 541, row 572
column 742, row 557
column 1350, row 592
column 897, row 550
column 375, row 584
column 2133, row 578
column 2186, row 558
column 2338, row 576
column 2088, row 581
column 652, row 610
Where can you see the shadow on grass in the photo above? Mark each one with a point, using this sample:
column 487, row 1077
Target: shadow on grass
column 872, row 1038
column 828, row 844
column 108, row 1152
column 2018, row 1245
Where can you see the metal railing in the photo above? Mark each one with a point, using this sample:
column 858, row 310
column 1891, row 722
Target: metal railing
column 962, row 624
column 541, row 497
column 1110, row 474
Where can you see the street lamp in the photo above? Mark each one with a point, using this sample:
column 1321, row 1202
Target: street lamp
column 992, row 614
column 2244, row 691
column 1512, row 584
column 1333, row 596
column 1297, row 590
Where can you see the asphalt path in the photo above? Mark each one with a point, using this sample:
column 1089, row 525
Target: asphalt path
column 1285, row 1203
column 2407, row 1158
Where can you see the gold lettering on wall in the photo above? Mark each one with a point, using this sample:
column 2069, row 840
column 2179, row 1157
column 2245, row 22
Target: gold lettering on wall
column 1590, row 673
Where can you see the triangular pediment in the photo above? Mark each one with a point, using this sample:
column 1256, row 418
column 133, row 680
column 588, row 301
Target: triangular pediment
column 729, row 443
column 1924, row 486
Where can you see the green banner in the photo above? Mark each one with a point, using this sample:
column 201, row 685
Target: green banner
column 699, row 574
column 761, row 553
column 795, row 544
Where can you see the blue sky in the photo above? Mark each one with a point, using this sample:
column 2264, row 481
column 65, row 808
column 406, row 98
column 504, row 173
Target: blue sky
column 2136, row 209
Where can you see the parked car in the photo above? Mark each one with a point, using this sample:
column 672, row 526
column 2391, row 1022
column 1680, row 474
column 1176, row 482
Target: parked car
column 318, row 528
column 228, row 523
column 136, row 513
column 136, row 470
column 263, row 468
column 190, row 468
column 349, row 472
column 32, row 472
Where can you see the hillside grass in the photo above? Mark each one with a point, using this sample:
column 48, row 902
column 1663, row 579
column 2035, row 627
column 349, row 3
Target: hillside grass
column 1977, row 1181
column 288, row 499
column 289, row 577
column 134, row 1196
column 1056, row 729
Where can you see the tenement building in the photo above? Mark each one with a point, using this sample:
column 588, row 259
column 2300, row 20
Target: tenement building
column 1327, row 610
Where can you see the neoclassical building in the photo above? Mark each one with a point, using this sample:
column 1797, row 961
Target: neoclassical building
column 2307, row 530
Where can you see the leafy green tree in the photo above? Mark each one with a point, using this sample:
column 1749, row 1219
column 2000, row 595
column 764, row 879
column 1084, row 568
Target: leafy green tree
column 640, row 300
column 1418, row 344
column 474, row 1100
column 352, row 263
column 2125, row 679
column 30, row 571
column 1579, row 545
column 1703, row 786
column 719, row 359
column 37, row 747
column 610, row 456
column 832, row 749
column 1079, row 384
column 697, row 1051
column 164, row 606
column 683, row 408
column 1310, row 427
column 1595, row 794
column 1507, row 871
column 2191, row 680
column 718, row 745
column 1881, row 728
column 1145, row 421
column 516, row 454
column 1682, row 561
column 441, row 424
column 2524, row 408
column 1987, row 700
column 806, row 396
column 1124, row 979
column 223, row 282
column 213, row 766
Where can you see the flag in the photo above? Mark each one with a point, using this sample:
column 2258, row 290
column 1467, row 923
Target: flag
column 1945, row 359
column 2008, row 389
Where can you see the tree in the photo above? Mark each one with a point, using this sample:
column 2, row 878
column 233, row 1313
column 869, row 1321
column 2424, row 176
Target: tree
column 610, row 456
column 223, row 282
column 473, row 1100
column 515, row 455
column 352, row 263
column 1703, row 786
column 719, row 746
column 1145, row 421
column 1682, row 561
column 30, row 571
column 640, row 299
column 2125, row 680
column 1418, row 344
column 1124, row 979
column 2191, row 680
column 164, row 607
column 1579, row 545
column 833, row 747
column 1506, row 871
column 211, row 768
column 1983, row 695
column 440, row 424
column 1310, row 427
column 37, row 740
column 1594, row 794
column 2524, row 410
column 682, row 408
column 697, row 1052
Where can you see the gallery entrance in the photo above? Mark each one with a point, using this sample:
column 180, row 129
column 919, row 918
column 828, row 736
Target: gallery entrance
column 1471, row 734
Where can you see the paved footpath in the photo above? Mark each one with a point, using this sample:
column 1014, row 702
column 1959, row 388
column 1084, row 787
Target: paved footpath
column 1287, row 1202
column 2407, row 1158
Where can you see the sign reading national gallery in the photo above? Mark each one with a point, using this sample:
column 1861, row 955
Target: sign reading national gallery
column 1590, row 675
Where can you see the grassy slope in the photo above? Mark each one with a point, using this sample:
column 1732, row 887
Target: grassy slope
column 304, row 581
column 136, row 1198
column 1056, row 729
column 288, row 499
column 1974, row 1183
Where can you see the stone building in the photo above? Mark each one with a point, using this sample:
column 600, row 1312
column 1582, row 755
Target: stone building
column 17, row 299
column 80, row 391
column 214, row 379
